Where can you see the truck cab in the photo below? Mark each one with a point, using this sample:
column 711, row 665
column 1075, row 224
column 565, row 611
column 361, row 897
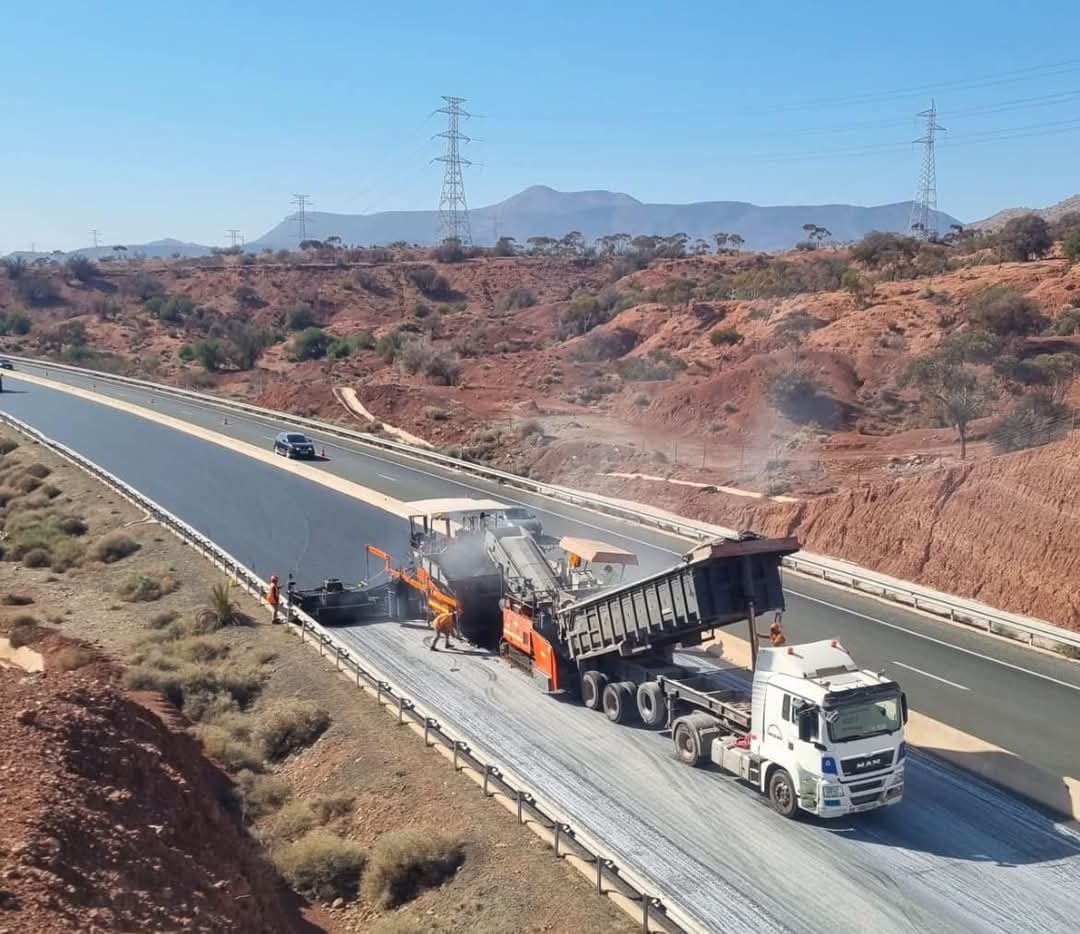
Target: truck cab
column 826, row 737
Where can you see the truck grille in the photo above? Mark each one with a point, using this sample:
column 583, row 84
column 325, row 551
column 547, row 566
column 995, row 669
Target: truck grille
column 874, row 762
column 858, row 800
column 875, row 785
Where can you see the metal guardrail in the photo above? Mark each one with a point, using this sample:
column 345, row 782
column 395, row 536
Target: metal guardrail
column 1026, row 629
column 567, row 840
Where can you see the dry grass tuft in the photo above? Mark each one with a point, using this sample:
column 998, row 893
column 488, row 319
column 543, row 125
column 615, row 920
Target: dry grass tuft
column 405, row 861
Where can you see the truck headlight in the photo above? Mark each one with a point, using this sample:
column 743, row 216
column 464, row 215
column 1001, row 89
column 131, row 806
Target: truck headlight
column 832, row 791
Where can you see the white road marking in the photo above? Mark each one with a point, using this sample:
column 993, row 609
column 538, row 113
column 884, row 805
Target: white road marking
column 948, row 645
column 928, row 675
column 385, row 477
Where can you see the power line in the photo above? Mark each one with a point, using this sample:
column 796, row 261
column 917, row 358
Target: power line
column 925, row 203
column 94, row 235
column 301, row 202
column 234, row 237
column 453, row 209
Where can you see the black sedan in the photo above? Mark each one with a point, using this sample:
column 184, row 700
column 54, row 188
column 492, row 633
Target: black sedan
column 294, row 444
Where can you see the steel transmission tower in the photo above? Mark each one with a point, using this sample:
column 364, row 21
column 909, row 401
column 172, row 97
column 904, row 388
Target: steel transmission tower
column 453, row 211
column 926, row 190
column 301, row 202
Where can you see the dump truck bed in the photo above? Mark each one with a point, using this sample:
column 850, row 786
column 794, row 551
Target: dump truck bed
column 716, row 586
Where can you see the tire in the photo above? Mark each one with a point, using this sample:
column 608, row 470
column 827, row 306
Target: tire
column 782, row 794
column 592, row 689
column 687, row 741
column 619, row 706
column 651, row 704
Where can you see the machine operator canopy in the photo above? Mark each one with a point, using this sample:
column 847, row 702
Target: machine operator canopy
column 597, row 552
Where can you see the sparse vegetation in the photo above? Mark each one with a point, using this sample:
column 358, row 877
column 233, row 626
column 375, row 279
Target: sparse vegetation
column 113, row 547
column 951, row 391
column 1006, row 312
column 794, row 390
column 289, row 728
column 145, row 588
column 300, row 317
column 655, row 365
column 1066, row 323
column 725, row 337
column 322, row 865
column 38, row 291
column 310, row 344
column 1025, row 238
column 1033, row 420
column 403, row 862
column 429, row 282
column 518, row 297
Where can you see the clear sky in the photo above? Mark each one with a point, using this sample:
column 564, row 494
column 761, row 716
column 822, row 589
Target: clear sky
column 152, row 119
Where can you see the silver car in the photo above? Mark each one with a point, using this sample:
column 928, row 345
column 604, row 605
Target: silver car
column 524, row 519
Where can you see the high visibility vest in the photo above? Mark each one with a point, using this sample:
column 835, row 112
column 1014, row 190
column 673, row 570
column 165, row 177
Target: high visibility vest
column 272, row 595
column 444, row 622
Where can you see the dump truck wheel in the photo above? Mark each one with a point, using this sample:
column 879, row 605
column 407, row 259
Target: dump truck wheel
column 782, row 794
column 619, row 702
column 651, row 705
column 687, row 741
column 592, row 689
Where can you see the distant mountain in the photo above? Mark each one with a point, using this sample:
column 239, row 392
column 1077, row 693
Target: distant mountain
column 543, row 212
column 155, row 249
column 1053, row 213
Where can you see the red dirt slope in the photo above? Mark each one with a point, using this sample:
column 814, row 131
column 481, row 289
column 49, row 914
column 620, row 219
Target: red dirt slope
column 110, row 821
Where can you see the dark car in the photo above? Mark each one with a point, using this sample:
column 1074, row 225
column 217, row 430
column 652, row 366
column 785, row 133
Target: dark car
column 294, row 444
column 6, row 364
column 524, row 519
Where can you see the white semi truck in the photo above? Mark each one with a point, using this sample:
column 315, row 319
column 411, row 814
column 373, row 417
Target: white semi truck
column 817, row 733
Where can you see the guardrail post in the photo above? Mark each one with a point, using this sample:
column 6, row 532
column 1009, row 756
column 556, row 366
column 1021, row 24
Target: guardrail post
column 402, row 706
column 379, row 685
column 558, row 836
column 459, row 746
column 645, row 903
column 599, row 875
column 429, row 722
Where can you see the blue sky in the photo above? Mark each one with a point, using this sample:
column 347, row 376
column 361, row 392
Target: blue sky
column 156, row 119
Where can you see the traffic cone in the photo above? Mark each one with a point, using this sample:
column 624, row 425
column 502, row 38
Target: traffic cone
column 225, row 420
column 322, row 453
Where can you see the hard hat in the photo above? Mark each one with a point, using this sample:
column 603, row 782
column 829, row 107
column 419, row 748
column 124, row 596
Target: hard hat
column 775, row 625
column 273, row 578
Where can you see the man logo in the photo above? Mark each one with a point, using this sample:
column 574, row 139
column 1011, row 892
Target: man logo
column 865, row 764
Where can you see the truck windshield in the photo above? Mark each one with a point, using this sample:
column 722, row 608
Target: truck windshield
column 859, row 721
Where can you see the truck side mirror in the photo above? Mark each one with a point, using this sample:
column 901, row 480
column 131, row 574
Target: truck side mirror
column 903, row 706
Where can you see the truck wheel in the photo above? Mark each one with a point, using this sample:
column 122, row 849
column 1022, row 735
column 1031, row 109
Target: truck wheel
column 619, row 702
column 592, row 689
column 782, row 794
column 651, row 704
column 687, row 742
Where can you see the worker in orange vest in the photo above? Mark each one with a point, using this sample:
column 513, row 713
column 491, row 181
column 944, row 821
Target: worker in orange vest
column 272, row 597
column 443, row 625
column 776, row 633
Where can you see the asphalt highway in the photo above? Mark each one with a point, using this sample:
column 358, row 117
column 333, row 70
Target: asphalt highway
column 957, row 854
column 1024, row 701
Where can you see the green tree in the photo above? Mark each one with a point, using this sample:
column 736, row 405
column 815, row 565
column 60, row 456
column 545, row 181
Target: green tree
column 210, row 353
column 1058, row 370
column 1070, row 246
column 298, row 317
column 310, row 344
column 17, row 322
column 1006, row 312
column 725, row 337
column 82, row 268
column 951, row 390
column 1025, row 238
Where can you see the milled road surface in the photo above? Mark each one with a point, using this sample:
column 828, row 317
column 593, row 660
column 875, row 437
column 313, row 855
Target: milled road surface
column 957, row 854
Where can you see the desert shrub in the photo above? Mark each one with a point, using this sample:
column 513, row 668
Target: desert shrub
column 656, row 365
column 338, row 349
column 300, row 317
column 1070, row 245
column 792, row 390
column 362, row 340
column 28, row 484
column 389, row 345
column 368, row 281
column 163, row 619
column 190, row 686
column 144, row 286
column 16, row 599
column 247, row 296
column 234, row 754
column 14, row 267
column 517, row 297
column 1005, row 311
column 38, row 291
column 66, row 555
column 175, row 308
column 403, row 862
column 220, row 610
column 210, row 353
column 294, row 820
column 16, row 322
column 609, row 345
column 37, row 470
column 725, row 337
column 261, row 794
column 113, row 547
column 72, row 657
column 322, row 865
column 435, row 414
column 51, row 490
column 146, row 588
column 1066, row 323
column 23, row 631
column 877, row 249
column 529, row 427
column 1034, row 420
column 73, row 525
column 37, row 558
column 414, row 355
column 7, row 446
column 290, row 727
column 186, row 353
column 310, row 344
column 1025, row 238
column 429, row 282
column 675, row 292
column 449, row 251
column 443, row 369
